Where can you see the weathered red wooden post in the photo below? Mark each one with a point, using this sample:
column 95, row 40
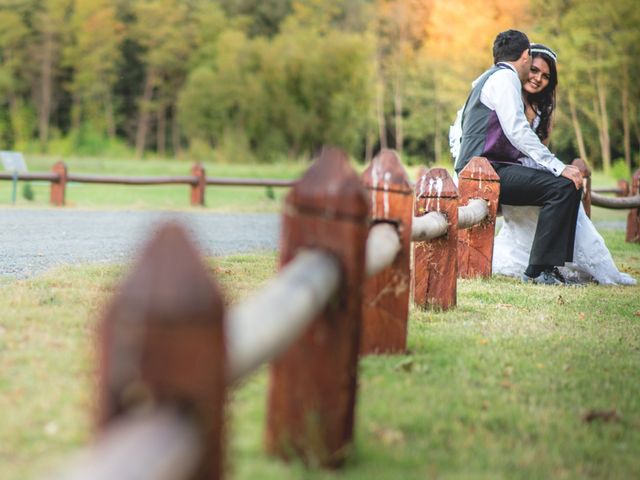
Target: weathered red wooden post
column 313, row 385
column 58, row 187
column 435, row 263
column 586, row 176
column 623, row 186
column 162, row 344
column 385, row 310
column 198, row 189
column 633, row 219
column 475, row 245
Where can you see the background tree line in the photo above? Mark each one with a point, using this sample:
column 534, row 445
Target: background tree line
column 246, row 80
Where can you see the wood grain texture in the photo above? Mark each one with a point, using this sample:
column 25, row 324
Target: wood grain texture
column 475, row 245
column 435, row 263
column 386, row 295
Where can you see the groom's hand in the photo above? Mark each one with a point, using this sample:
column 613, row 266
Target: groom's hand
column 573, row 173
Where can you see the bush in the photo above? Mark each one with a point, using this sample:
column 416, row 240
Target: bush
column 27, row 192
column 620, row 170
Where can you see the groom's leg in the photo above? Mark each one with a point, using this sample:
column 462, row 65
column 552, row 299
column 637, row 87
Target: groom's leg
column 555, row 232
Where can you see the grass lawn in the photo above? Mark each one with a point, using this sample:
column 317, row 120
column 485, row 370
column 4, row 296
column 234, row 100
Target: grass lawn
column 500, row 387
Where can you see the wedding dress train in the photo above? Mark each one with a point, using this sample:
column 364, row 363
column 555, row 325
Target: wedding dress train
column 592, row 260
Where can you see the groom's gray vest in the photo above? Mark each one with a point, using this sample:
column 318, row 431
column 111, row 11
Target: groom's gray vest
column 482, row 135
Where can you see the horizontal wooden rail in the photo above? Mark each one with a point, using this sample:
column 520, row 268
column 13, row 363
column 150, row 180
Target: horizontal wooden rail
column 60, row 177
column 155, row 446
column 619, row 203
column 473, row 213
column 261, row 328
column 36, row 176
column 250, row 182
column 133, row 180
column 124, row 180
column 383, row 245
column 616, row 191
column 429, row 226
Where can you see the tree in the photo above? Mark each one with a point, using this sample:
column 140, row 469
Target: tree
column 163, row 29
column 13, row 39
column 93, row 57
column 51, row 28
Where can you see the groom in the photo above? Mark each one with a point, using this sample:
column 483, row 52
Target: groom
column 494, row 126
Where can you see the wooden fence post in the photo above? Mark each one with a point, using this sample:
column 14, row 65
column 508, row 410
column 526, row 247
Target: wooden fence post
column 435, row 263
column 162, row 344
column 586, row 175
column 475, row 245
column 197, row 190
column 623, row 185
column 633, row 219
column 58, row 188
column 385, row 309
column 312, row 389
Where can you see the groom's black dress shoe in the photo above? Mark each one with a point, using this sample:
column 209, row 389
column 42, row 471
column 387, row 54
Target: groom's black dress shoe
column 547, row 277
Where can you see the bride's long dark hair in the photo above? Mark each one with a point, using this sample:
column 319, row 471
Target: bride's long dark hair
column 544, row 102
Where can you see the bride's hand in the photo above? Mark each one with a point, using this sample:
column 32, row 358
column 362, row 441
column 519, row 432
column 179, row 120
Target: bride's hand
column 573, row 173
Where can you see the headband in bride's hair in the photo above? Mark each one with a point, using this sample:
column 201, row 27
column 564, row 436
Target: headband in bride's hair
column 536, row 48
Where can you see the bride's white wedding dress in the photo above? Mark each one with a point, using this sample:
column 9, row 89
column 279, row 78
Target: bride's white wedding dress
column 592, row 260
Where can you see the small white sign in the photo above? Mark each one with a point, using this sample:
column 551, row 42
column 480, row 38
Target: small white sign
column 13, row 161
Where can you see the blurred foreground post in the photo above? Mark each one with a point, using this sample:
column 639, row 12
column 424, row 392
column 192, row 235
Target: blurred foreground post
column 162, row 346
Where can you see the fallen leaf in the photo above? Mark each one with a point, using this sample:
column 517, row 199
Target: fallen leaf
column 581, row 316
column 389, row 436
column 405, row 365
column 602, row 415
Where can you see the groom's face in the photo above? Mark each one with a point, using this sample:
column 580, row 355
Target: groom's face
column 524, row 65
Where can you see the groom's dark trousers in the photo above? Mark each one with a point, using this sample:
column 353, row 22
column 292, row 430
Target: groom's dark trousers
column 560, row 200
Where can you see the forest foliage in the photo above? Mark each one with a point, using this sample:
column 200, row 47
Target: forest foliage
column 258, row 80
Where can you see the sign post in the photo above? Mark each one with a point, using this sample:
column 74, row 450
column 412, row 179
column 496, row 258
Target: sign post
column 13, row 162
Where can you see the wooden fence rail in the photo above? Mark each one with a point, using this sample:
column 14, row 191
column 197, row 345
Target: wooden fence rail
column 169, row 348
column 156, row 445
column 198, row 181
column 628, row 198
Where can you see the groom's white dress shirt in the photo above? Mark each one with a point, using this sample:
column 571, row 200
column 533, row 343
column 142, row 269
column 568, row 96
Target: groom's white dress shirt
column 502, row 92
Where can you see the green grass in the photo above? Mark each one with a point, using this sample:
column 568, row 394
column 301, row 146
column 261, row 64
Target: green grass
column 496, row 388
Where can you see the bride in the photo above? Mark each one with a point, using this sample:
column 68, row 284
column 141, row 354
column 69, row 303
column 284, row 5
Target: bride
column 592, row 260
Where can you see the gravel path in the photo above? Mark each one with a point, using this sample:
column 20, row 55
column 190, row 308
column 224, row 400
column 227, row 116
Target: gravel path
column 32, row 241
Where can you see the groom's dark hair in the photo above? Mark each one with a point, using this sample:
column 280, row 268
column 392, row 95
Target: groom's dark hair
column 509, row 45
